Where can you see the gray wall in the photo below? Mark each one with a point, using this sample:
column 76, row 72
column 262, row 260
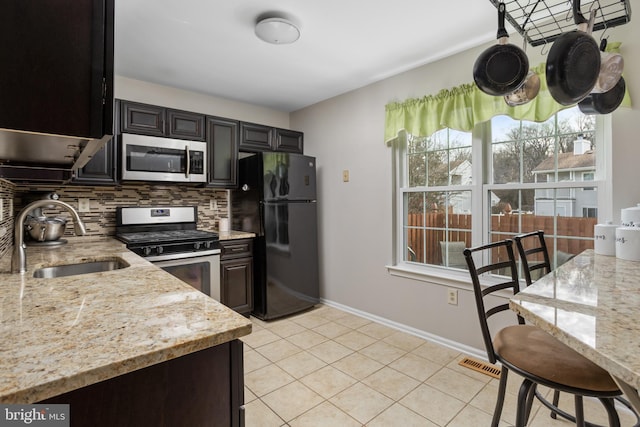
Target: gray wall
column 346, row 132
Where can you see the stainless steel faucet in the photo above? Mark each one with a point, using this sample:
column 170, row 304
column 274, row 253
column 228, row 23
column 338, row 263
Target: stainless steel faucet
column 19, row 258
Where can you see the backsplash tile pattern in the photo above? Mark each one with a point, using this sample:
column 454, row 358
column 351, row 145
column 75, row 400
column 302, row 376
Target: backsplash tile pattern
column 7, row 190
column 101, row 219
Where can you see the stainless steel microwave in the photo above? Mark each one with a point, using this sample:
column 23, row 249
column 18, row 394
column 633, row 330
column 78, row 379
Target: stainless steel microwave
column 151, row 158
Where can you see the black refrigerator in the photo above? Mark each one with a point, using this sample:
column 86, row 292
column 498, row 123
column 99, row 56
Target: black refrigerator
column 276, row 200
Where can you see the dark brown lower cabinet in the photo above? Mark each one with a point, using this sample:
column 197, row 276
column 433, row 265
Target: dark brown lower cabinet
column 236, row 271
column 205, row 388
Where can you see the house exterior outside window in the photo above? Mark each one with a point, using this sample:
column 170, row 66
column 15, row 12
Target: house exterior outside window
column 506, row 177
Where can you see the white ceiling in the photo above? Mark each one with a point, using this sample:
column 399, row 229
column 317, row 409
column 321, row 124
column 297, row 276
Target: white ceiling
column 209, row 46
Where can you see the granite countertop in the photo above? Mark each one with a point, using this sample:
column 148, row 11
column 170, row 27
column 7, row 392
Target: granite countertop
column 231, row 235
column 592, row 304
column 64, row 333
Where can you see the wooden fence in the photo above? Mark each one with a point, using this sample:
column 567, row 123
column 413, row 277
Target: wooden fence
column 424, row 242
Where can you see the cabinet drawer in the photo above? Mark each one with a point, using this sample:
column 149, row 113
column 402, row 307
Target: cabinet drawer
column 236, row 248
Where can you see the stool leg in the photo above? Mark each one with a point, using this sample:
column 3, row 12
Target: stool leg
column 530, row 397
column 579, row 411
column 502, row 388
column 526, row 388
column 609, row 405
column 556, row 400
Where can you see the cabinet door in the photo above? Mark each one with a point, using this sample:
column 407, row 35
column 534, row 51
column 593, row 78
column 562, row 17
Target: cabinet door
column 290, row 141
column 142, row 118
column 236, row 287
column 222, row 145
column 255, row 137
column 185, row 125
column 57, row 67
column 101, row 169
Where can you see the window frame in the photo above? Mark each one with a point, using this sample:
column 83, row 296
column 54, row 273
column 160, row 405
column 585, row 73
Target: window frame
column 480, row 230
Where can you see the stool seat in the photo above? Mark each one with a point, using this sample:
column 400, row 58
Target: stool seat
column 537, row 353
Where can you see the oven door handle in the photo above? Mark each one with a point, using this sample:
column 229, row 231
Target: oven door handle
column 186, row 149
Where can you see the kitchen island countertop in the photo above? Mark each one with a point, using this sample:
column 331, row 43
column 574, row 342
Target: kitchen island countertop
column 65, row 333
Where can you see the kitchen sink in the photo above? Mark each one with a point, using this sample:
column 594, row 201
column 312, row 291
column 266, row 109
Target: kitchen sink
column 80, row 268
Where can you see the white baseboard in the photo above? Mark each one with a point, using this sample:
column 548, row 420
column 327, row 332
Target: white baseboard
column 454, row 345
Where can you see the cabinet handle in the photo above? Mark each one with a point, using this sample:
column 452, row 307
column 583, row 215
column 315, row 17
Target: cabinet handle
column 186, row 147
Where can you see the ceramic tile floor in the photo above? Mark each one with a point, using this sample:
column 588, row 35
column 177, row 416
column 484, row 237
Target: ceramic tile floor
column 327, row 367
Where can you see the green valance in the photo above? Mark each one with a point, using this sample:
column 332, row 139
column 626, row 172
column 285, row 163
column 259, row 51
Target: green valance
column 463, row 107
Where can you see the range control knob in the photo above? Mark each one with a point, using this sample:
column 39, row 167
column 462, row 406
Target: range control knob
column 207, row 244
column 196, row 245
column 159, row 249
column 146, row 251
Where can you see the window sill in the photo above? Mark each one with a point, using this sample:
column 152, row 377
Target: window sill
column 444, row 277
column 439, row 276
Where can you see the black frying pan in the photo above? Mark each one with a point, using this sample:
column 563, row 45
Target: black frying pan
column 573, row 63
column 502, row 68
column 606, row 102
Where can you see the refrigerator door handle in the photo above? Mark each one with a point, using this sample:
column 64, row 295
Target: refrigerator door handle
column 261, row 216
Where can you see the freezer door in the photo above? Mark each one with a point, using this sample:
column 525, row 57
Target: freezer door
column 291, row 254
column 288, row 176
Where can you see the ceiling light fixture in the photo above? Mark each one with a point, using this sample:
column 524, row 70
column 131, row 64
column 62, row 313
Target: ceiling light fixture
column 277, row 31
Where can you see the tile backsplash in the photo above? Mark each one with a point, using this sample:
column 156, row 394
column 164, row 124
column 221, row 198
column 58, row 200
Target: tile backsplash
column 7, row 191
column 100, row 220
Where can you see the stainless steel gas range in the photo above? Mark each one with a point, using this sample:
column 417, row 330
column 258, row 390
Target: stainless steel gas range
column 168, row 237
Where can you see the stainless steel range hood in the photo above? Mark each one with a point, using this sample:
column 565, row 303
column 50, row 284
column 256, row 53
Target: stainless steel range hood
column 42, row 156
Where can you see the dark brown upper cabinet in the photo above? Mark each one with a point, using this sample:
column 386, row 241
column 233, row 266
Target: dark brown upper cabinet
column 101, row 169
column 185, row 125
column 256, row 138
column 154, row 120
column 56, row 76
column 142, row 118
column 222, row 146
column 288, row 140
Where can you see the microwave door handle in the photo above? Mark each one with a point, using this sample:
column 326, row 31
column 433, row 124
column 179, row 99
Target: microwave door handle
column 186, row 148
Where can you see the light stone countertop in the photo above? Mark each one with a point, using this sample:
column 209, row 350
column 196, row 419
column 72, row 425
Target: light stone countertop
column 61, row 334
column 592, row 304
column 231, row 235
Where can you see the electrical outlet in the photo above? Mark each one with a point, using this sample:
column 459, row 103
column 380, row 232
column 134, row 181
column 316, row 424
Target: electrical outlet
column 345, row 175
column 213, row 204
column 452, row 296
column 1, row 209
column 83, row 205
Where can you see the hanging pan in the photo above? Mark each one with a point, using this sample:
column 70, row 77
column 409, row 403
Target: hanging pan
column 527, row 90
column 573, row 63
column 611, row 67
column 502, row 68
column 604, row 103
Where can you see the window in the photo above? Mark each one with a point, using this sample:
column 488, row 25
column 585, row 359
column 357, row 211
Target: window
column 460, row 189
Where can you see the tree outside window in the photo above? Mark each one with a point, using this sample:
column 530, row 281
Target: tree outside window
column 534, row 172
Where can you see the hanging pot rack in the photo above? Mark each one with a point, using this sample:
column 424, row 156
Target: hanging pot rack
column 542, row 21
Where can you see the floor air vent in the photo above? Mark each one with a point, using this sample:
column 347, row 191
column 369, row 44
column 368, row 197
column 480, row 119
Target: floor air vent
column 479, row 366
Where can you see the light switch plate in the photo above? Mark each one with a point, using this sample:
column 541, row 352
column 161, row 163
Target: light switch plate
column 1, row 209
column 345, row 175
column 213, row 204
column 84, row 205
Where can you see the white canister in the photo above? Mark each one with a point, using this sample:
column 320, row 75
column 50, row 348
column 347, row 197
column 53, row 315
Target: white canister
column 223, row 225
column 604, row 238
column 628, row 243
column 630, row 216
